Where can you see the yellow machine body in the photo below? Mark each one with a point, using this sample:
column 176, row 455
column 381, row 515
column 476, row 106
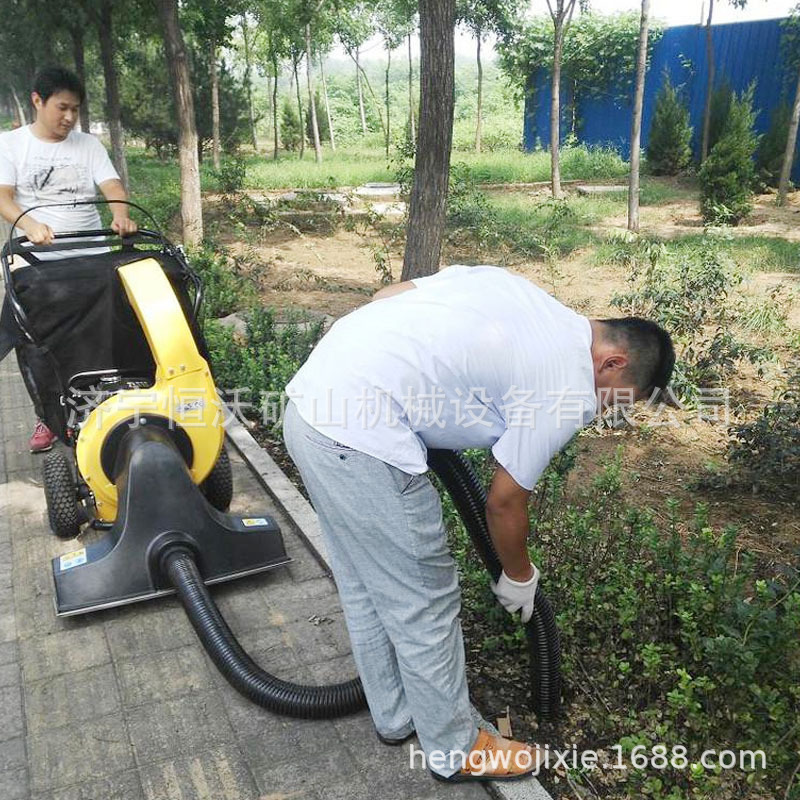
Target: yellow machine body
column 183, row 392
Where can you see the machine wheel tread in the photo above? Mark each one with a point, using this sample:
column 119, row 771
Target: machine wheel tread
column 218, row 485
column 61, row 495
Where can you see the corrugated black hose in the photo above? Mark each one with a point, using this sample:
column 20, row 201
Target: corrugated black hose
column 323, row 702
column 282, row 697
column 544, row 646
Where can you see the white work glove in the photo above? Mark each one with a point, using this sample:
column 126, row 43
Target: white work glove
column 516, row 595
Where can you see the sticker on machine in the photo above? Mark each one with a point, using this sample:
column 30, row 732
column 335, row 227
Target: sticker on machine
column 251, row 522
column 73, row 559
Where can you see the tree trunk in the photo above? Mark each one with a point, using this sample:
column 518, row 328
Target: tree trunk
column 248, row 81
column 113, row 112
column 428, row 204
column 791, row 144
column 300, row 112
column 636, row 125
column 215, row 136
column 709, row 83
column 327, row 104
column 191, row 203
column 23, row 119
column 360, row 96
column 411, row 94
column 386, row 97
column 555, row 113
column 76, row 32
column 480, row 97
column 311, row 104
column 275, row 106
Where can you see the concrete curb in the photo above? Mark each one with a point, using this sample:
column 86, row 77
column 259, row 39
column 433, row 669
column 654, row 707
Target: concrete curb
column 304, row 518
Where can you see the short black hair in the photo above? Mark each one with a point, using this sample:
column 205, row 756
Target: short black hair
column 649, row 346
column 57, row 79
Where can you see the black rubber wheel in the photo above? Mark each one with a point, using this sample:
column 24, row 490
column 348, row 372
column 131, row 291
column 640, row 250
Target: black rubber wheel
column 61, row 495
column 218, row 486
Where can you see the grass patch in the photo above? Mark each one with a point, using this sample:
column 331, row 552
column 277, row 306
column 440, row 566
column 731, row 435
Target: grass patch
column 751, row 253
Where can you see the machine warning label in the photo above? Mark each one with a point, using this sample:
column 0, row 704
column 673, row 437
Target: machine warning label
column 253, row 521
column 73, row 559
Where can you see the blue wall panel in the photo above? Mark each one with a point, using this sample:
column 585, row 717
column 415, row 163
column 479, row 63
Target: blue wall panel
column 743, row 52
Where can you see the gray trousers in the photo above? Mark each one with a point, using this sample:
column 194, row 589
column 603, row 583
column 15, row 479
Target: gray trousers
column 398, row 585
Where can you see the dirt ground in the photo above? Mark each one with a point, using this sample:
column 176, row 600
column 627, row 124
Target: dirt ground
column 331, row 269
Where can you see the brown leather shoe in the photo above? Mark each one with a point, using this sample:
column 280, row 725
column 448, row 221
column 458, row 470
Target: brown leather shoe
column 494, row 758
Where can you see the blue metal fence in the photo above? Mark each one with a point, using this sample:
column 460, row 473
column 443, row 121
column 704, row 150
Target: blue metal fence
column 744, row 52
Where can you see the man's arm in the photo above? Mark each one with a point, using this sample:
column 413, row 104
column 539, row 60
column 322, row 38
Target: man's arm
column 36, row 231
column 507, row 517
column 392, row 289
column 122, row 223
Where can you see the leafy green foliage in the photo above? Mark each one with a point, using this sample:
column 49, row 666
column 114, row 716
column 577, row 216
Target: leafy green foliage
column 257, row 369
column 721, row 99
column 772, row 147
column 291, row 131
column 599, row 54
column 671, row 633
column 225, row 289
column 767, row 450
column 322, row 121
column 669, row 148
column 727, row 176
column 688, row 293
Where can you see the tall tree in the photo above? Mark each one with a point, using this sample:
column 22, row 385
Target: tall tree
column 76, row 31
column 428, row 203
column 710, row 74
column 248, row 77
column 353, row 25
column 105, row 29
column 411, row 114
column 636, row 124
column 561, row 12
column 793, row 40
column 393, row 20
column 191, row 200
column 331, row 134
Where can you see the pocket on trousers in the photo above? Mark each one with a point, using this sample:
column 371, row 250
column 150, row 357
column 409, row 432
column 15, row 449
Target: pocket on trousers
column 325, row 443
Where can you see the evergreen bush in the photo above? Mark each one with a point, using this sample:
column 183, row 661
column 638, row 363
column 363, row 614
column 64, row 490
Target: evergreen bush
column 727, row 176
column 291, row 131
column 669, row 150
column 769, row 159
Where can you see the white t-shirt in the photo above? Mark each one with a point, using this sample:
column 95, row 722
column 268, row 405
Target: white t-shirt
column 56, row 172
column 472, row 357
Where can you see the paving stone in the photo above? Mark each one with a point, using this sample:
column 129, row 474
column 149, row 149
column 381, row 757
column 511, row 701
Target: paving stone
column 14, row 784
column 242, row 606
column 68, row 651
column 307, row 775
column 148, row 628
column 71, row 699
column 10, row 675
column 12, row 724
column 77, row 753
column 12, row 754
column 178, row 727
column 321, row 641
column 36, row 615
column 163, row 676
column 220, row 774
column 119, row 786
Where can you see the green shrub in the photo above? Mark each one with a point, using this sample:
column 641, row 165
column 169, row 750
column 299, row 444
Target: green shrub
column 767, row 451
column 225, row 289
column 669, row 148
column 772, row 147
column 232, row 174
column 687, row 291
column 721, row 100
column 253, row 373
column 291, row 131
column 323, row 129
column 671, row 633
column 727, row 176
